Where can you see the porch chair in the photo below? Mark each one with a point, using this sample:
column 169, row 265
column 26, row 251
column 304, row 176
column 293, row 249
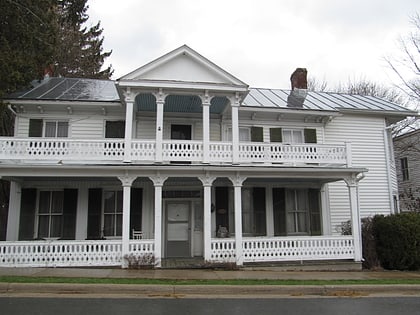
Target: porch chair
column 136, row 235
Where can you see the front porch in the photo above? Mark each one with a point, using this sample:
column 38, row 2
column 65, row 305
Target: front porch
column 108, row 253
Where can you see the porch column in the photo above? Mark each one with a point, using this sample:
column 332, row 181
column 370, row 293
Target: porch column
column 158, row 183
column 126, row 181
column 206, row 126
column 234, row 102
column 129, row 114
column 13, row 217
column 355, row 217
column 160, row 101
column 207, row 184
column 237, row 192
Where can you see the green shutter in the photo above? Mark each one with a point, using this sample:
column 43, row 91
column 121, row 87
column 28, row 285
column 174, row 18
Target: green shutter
column 69, row 214
column 314, row 211
column 94, row 213
column 257, row 134
column 27, row 214
column 276, row 135
column 310, row 135
column 136, row 201
column 279, row 211
column 35, row 127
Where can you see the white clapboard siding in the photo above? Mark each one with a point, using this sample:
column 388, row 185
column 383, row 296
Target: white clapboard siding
column 146, row 129
column 87, row 128
column 21, row 127
column 368, row 151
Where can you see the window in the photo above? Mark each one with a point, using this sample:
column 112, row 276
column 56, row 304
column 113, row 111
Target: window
column 112, row 213
column 254, row 211
column 115, row 129
column 48, row 128
column 50, row 214
column 293, row 136
column 296, row 211
column 404, row 169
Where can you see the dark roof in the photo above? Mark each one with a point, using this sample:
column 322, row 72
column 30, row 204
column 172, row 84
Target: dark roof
column 71, row 89
column 275, row 98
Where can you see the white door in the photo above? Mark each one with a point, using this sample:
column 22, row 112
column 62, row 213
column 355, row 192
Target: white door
column 178, row 229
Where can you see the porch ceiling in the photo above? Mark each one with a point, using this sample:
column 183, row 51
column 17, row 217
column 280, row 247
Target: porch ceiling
column 180, row 104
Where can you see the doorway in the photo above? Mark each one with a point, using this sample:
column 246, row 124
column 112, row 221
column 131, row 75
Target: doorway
column 178, row 229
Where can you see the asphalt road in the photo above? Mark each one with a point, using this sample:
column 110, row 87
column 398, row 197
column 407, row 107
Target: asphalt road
column 240, row 306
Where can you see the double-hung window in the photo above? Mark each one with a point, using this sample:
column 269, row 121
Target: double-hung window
column 404, row 169
column 112, row 213
column 48, row 128
column 297, row 211
column 293, row 136
column 50, row 214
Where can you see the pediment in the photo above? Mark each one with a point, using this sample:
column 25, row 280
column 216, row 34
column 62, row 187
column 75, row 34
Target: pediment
column 183, row 65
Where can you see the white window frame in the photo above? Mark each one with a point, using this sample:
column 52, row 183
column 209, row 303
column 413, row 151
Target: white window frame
column 56, row 122
column 296, row 211
column 115, row 214
column 292, row 131
column 242, row 131
column 49, row 214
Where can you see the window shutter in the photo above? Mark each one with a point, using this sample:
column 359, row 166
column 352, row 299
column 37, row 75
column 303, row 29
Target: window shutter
column 310, row 135
column 260, row 221
column 69, row 214
column 136, row 209
column 279, row 209
column 27, row 214
column 94, row 213
column 276, row 135
column 257, row 134
column 35, row 127
column 115, row 129
column 314, row 211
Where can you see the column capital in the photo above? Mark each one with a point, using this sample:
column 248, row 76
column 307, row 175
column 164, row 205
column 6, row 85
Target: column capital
column 237, row 180
column 235, row 100
column 206, row 98
column 160, row 96
column 158, row 180
column 127, row 180
column 129, row 96
column 353, row 180
column 207, row 180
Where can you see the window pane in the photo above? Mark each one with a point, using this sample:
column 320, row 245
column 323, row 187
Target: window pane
column 44, row 202
column 43, row 221
column 297, row 136
column 291, row 222
column 119, row 208
column 119, row 225
column 301, row 222
column 109, row 225
column 57, row 201
column 244, row 135
column 50, row 128
column 109, row 202
column 62, row 129
column 287, row 136
column 55, row 226
column 290, row 200
column 301, row 198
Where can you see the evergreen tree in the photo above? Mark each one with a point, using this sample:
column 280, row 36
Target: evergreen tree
column 79, row 51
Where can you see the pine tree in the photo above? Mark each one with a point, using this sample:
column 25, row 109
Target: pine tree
column 79, row 51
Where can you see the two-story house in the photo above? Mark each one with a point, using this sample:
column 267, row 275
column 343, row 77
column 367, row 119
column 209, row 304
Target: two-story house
column 181, row 159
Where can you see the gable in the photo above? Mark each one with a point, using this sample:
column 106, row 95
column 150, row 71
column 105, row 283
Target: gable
column 183, row 65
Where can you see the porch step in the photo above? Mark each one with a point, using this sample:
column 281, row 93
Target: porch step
column 183, row 263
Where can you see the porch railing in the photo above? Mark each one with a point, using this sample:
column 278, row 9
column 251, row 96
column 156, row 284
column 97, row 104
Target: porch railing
column 298, row 248
column 69, row 253
column 97, row 150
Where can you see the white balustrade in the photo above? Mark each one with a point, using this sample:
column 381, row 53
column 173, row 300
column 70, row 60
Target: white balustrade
column 97, row 150
column 223, row 250
column 181, row 150
column 298, row 248
column 57, row 253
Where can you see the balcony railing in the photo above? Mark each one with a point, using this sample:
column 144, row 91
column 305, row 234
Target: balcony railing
column 113, row 150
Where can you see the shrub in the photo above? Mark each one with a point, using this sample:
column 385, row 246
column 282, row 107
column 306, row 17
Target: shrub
column 398, row 240
column 369, row 253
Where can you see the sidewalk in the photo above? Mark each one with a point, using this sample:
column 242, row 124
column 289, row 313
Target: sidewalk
column 206, row 291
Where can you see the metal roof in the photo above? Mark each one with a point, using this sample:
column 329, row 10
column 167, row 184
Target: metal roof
column 276, row 98
column 71, row 89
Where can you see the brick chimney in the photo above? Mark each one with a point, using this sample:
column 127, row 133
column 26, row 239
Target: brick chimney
column 299, row 82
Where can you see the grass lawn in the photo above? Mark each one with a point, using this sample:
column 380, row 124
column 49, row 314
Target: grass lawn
column 21, row 279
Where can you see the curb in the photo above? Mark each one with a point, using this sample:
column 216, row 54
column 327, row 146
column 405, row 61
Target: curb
column 130, row 290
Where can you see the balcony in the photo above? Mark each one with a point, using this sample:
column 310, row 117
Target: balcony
column 52, row 150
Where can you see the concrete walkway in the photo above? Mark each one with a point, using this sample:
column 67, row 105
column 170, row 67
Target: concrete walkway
column 206, row 291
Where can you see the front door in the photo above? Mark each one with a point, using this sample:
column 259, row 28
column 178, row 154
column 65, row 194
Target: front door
column 178, row 229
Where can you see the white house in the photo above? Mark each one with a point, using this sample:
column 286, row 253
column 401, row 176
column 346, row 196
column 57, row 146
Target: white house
column 195, row 161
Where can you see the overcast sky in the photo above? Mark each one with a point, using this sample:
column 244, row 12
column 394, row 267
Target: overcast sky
column 260, row 41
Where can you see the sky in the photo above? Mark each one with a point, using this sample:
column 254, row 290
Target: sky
column 261, row 42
